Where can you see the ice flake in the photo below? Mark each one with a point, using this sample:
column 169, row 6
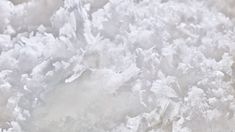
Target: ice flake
column 78, row 72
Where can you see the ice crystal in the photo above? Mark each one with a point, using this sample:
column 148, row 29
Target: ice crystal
column 117, row 66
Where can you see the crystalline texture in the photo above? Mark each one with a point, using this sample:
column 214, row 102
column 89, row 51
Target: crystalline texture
column 117, row 66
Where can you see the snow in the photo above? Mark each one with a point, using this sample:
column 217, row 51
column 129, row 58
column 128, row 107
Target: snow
column 117, row 66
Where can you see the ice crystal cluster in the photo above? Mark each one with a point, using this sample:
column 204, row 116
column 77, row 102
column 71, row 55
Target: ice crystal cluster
column 117, row 66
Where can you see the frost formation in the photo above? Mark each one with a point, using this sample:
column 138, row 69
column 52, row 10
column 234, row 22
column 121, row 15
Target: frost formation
column 117, row 66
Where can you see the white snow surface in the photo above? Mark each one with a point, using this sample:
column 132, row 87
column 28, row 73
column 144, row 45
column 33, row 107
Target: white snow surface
column 117, row 65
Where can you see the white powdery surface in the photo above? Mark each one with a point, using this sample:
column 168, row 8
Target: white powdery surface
column 117, row 66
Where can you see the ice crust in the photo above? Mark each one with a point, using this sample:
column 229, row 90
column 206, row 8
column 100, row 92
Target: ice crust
column 117, row 66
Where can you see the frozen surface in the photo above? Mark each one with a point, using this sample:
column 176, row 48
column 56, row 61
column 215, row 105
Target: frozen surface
column 117, row 65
